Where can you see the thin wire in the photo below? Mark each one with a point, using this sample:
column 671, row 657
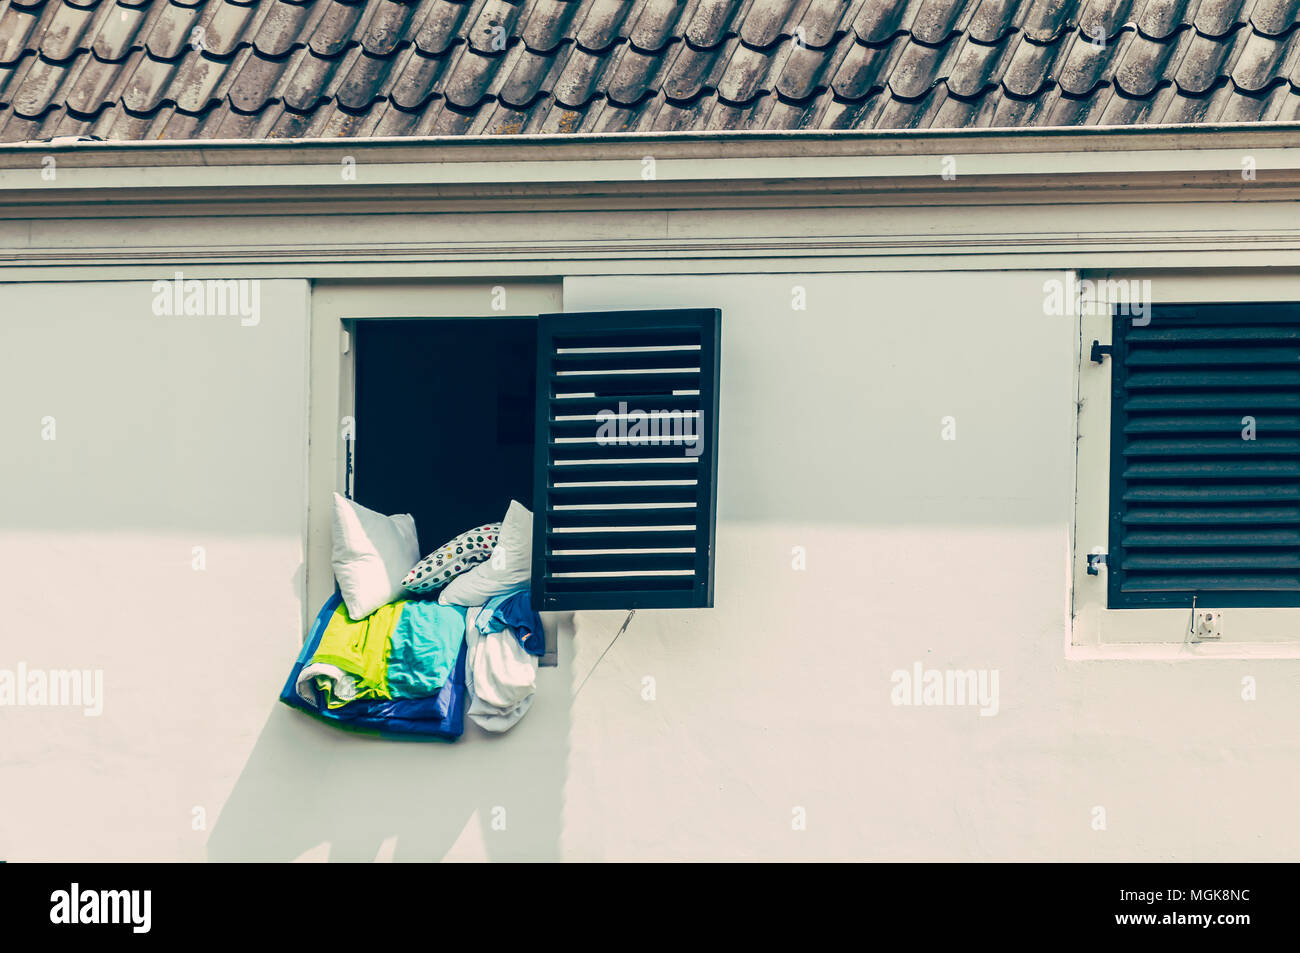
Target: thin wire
column 631, row 612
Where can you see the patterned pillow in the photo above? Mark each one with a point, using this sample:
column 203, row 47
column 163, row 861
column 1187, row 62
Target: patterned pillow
column 452, row 559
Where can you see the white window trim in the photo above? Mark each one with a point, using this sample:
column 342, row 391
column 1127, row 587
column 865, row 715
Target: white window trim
column 1095, row 631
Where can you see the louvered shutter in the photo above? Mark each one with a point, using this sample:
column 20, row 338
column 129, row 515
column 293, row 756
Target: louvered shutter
column 624, row 501
column 1196, row 508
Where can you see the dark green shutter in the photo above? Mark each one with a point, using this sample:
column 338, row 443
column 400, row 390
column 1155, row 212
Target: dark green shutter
column 626, row 522
column 1196, row 509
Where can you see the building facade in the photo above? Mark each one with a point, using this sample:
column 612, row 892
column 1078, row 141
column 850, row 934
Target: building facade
column 907, row 657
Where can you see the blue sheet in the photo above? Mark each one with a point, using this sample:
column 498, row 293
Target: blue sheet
column 514, row 610
column 440, row 717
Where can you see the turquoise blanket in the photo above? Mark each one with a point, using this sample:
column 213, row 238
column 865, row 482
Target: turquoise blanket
column 424, row 647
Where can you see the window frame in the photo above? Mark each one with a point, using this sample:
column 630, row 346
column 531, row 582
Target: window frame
column 337, row 307
column 1095, row 629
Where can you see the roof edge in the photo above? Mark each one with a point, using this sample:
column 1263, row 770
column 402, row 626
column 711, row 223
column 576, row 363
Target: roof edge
column 1221, row 156
column 755, row 143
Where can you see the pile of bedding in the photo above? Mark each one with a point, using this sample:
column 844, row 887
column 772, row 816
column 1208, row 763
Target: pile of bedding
column 349, row 674
column 384, row 657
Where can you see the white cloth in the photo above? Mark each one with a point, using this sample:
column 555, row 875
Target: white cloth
column 342, row 685
column 497, row 719
column 500, row 675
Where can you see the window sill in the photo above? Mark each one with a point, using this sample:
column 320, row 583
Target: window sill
column 1179, row 651
column 1253, row 632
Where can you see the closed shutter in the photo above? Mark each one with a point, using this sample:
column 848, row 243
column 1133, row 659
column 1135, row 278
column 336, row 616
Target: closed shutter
column 626, row 459
column 1198, row 508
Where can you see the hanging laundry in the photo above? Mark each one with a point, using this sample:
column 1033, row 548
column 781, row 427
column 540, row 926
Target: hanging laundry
column 514, row 610
column 500, row 676
column 351, row 662
column 402, row 650
column 423, row 648
column 438, row 717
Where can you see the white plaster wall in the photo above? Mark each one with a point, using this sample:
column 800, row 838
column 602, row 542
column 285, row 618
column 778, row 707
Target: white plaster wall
column 170, row 433
column 948, row 553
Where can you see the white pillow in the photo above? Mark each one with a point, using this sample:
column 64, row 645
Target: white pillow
column 372, row 554
column 511, row 564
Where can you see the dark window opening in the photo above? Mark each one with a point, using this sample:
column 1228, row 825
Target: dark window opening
column 444, row 420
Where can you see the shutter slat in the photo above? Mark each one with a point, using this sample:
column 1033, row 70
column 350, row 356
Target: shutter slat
column 1211, row 470
column 625, row 360
column 1182, row 356
column 590, row 428
column 1186, row 335
column 1212, row 424
column 624, row 582
column 684, row 469
column 1240, row 403
column 605, row 562
column 1205, row 504
column 1280, row 560
column 631, row 493
column 1211, row 515
column 607, row 335
column 636, row 471
column 572, row 406
column 1181, row 582
column 619, row 518
column 1225, row 538
column 1213, row 493
column 1210, row 447
column 1147, row 380
column 1192, row 316
column 665, row 450
column 640, row 384
column 622, row 539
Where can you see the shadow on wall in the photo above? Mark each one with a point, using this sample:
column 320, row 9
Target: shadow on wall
column 315, row 792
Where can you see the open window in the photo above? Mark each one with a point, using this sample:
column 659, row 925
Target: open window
column 444, row 420
column 604, row 424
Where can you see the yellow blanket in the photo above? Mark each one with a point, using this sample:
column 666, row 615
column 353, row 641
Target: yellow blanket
column 360, row 649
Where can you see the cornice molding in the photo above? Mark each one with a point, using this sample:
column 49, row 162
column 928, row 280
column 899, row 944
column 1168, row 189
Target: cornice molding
column 729, row 145
column 689, row 256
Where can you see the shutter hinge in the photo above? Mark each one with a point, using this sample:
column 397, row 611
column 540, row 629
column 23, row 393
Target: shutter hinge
column 1095, row 560
column 1100, row 350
